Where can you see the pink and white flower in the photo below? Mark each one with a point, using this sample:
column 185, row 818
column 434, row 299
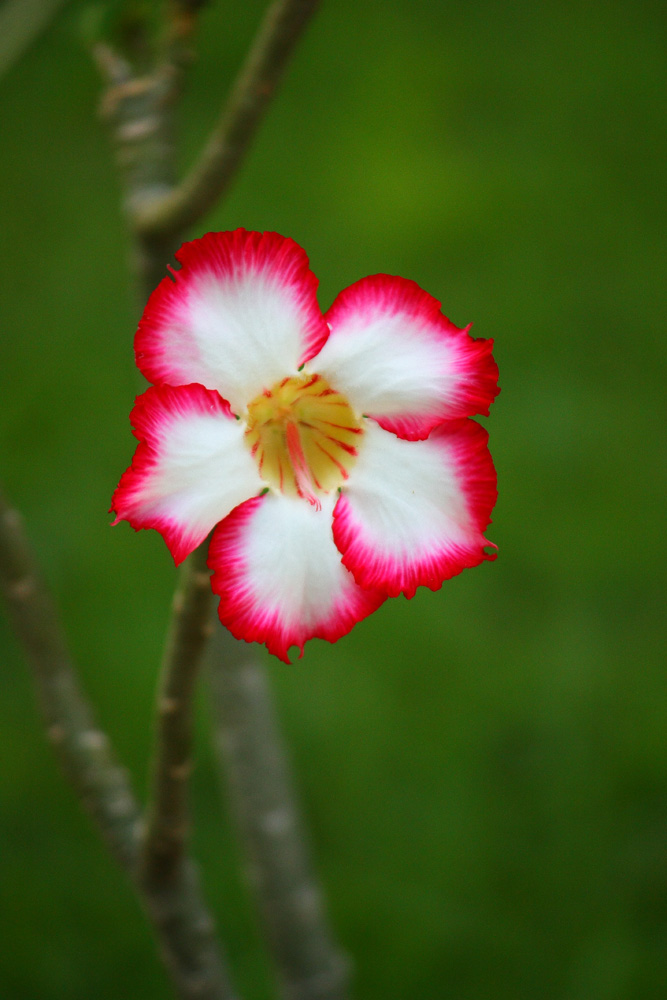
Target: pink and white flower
column 332, row 456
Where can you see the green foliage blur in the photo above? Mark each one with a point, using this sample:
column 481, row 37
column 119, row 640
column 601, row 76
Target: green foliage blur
column 484, row 768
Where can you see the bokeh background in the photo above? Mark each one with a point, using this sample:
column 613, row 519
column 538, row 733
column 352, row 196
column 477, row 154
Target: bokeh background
column 484, row 768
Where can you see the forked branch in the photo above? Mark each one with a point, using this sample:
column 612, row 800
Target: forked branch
column 170, row 215
column 175, row 907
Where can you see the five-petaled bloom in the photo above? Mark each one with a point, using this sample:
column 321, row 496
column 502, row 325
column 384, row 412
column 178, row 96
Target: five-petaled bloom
column 332, row 455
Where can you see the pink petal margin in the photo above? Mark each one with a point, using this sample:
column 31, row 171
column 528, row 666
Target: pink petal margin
column 465, row 444
column 246, row 619
column 227, row 255
column 150, row 418
column 471, row 360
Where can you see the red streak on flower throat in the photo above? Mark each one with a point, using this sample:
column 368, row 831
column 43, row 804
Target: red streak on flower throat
column 305, row 482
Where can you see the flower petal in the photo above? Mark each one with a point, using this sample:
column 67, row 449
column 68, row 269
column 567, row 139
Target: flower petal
column 412, row 512
column 399, row 360
column 280, row 578
column 240, row 314
column 190, row 469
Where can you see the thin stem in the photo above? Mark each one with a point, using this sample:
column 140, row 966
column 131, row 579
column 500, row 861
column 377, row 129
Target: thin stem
column 167, row 813
column 187, row 935
column 166, row 874
column 140, row 112
column 252, row 754
column 84, row 751
column 173, row 213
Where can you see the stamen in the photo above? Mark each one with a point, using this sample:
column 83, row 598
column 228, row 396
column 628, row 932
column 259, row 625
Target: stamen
column 304, row 479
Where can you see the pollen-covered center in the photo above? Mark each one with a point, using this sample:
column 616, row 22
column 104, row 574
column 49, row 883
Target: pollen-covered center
column 303, row 436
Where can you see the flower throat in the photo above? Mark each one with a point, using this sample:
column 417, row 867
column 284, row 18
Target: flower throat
column 303, row 436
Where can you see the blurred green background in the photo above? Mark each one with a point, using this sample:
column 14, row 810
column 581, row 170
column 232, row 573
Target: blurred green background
column 484, row 768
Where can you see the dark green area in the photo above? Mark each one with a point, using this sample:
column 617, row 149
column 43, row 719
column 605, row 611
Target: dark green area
column 484, row 768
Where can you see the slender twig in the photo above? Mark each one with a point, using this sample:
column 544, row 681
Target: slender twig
column 187, row 935
column 139, row 109
column 83, row 749
column 183, row 927
column 171, row 215
column 253, row 758
column 167, row 812
column 165, row 872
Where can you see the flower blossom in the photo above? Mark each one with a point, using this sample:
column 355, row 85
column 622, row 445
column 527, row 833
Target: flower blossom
column 332, row 456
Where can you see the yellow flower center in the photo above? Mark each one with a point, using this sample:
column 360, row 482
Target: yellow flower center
column 303, row 436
